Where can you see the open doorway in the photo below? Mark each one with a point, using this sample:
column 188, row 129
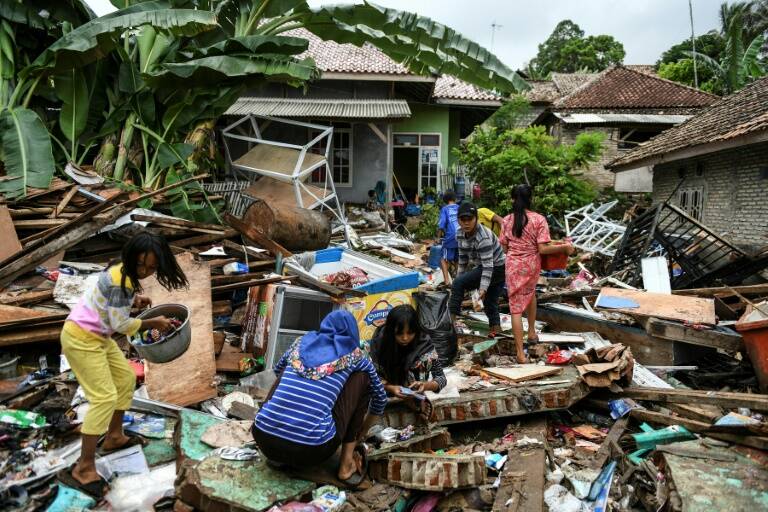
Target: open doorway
column 405, row 166
column 416, row 162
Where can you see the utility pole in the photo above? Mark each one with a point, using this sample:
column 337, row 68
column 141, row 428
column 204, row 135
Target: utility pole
column 494, row 26
column 693, row 44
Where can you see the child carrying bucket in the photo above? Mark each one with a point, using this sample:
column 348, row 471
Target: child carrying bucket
column 99, row 365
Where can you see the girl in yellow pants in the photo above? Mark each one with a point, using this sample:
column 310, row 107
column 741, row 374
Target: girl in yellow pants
column 99, row 365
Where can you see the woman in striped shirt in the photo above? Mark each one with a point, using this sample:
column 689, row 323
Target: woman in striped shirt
column 325, row 384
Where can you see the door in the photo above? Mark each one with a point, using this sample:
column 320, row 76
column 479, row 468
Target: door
column 429, row 162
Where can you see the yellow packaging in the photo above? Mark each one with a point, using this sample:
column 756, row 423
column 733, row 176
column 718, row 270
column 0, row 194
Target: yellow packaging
column 371, row 311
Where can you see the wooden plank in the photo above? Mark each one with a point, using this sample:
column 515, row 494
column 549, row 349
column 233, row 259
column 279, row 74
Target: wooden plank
column 22, row 299
column 722, row 291
column 660, row 305
column 248, row 284
column 696, row 396
column 752, row 441
column 730, row 342
column 189, row 379
column 14, row 314
column 64, row 201
column 522, row 372
column 11, row 244
column 30, row 335
column 178, row 222
column 604, row 453
column 229, row 358
column 548, row 337
column 204, row 239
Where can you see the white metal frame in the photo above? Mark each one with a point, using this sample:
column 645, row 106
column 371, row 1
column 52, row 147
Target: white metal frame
column 331, row 157
column 593, row 231
column 420, row 147
column 298, row 176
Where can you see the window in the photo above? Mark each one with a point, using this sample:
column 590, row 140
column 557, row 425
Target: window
column 629, row 138
column 406, row 139
column 340, row 157
column 691, row 201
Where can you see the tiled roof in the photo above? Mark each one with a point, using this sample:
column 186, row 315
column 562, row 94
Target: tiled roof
column 623, row 88
column 566, row 83
column 742, row 113
column 449, row 87
column 649, row 69
column 332, row 57
column 320, row 108
column 542, row 91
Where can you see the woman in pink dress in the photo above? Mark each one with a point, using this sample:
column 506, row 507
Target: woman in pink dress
column 525, row 237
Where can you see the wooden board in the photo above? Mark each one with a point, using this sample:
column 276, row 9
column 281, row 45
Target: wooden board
column 11, row 244
column 547, row 337
column 229, row 358
column 669, row 307
column 522, row 372
column 14, row 314
column 277, row 159
column 725, row 340
column 188, row 379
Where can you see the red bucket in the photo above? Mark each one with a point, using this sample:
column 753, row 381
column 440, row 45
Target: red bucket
column 556, row 261
column 755, row 336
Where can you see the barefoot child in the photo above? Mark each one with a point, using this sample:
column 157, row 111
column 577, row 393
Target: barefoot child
column 99, row 365
column 447, row 227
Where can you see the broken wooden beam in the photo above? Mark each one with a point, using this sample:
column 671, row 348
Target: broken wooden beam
column 604, row 453
column 729, row 341
column 725, row 291
column 701, row 427
column 204, row 239
column 27, row 298
column 695, row 396
column 249, row 284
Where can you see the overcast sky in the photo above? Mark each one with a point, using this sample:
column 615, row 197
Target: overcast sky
column 645, row 27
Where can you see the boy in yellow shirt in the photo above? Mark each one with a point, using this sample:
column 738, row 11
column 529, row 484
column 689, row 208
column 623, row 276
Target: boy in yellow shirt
column 489, row 219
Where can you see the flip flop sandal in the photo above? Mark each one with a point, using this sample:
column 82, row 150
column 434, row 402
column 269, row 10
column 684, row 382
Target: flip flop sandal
column 356, row 478
column 426, row 410
column 94, row 489
column 133, row 440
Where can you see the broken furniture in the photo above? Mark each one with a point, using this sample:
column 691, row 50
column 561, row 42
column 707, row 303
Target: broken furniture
column 250, row 153
column 704, row 258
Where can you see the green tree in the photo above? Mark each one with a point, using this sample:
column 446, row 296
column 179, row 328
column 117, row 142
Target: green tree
column 501, row 159
column 681, row 71
column 146, row 83
column 712, row 44
column 567, row 50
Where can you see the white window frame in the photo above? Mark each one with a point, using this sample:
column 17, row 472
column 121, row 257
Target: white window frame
column 420, row 147
column 691, row 201
column 331, row 163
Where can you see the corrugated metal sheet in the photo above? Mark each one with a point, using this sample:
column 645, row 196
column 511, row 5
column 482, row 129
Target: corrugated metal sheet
column 321, row 108
column 621, row 118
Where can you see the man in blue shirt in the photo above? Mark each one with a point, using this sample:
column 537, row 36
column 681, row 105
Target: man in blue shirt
column 447, row 227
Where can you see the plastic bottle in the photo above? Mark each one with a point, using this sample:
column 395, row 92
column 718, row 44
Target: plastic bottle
column 235, row 268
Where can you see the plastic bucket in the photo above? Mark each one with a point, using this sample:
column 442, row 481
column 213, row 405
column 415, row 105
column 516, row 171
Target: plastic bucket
column 435, row 254
column 174, row 344
column 9, row 367
column 755, row 336
column 554, row 261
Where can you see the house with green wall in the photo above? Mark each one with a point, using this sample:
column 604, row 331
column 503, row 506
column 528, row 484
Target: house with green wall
column 389, row 125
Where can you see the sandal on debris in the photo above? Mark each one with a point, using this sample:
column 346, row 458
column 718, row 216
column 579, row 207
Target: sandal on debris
column 357, row 477
column 94, row 489
column 133, row 440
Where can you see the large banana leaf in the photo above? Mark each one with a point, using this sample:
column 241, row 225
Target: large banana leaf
column 226, row 68
column 256, row 44
column 73, row 91
column 44, row 14
column 750, row 63
column 27, row 152
column 99, row 37
column 419, row 43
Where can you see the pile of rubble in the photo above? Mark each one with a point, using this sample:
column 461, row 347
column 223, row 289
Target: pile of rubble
column 633, row 399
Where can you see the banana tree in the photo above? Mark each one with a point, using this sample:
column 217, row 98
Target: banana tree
column 181, row 63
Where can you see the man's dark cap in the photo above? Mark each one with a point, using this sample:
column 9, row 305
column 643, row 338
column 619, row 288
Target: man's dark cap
column 467, row 210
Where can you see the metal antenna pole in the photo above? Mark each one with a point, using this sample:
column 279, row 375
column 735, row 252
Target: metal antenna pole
column 693, row 44
column 494, row 26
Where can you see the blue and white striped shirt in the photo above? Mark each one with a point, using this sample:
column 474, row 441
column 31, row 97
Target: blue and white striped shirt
column 300, row 409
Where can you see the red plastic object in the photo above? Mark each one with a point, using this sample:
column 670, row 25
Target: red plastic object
column 138, row 369
column 476, row 191
column 554, row 261
column 755, row 336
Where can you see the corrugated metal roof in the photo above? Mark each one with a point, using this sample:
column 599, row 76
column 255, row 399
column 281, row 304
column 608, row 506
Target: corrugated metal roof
column 621, row 118
column 321, row 108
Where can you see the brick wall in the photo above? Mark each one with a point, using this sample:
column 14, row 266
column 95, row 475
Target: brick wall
column 596, row 173
column 735, row 191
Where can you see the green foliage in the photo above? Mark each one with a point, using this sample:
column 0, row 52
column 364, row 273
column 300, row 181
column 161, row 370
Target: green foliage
column 427, row 227
column 712, row 44
column 567, row 50
column 509, row 114
column 500, row 160
column 682, row 72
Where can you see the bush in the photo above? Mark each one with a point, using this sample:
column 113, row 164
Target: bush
column 427, row 227
column 499, row 160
